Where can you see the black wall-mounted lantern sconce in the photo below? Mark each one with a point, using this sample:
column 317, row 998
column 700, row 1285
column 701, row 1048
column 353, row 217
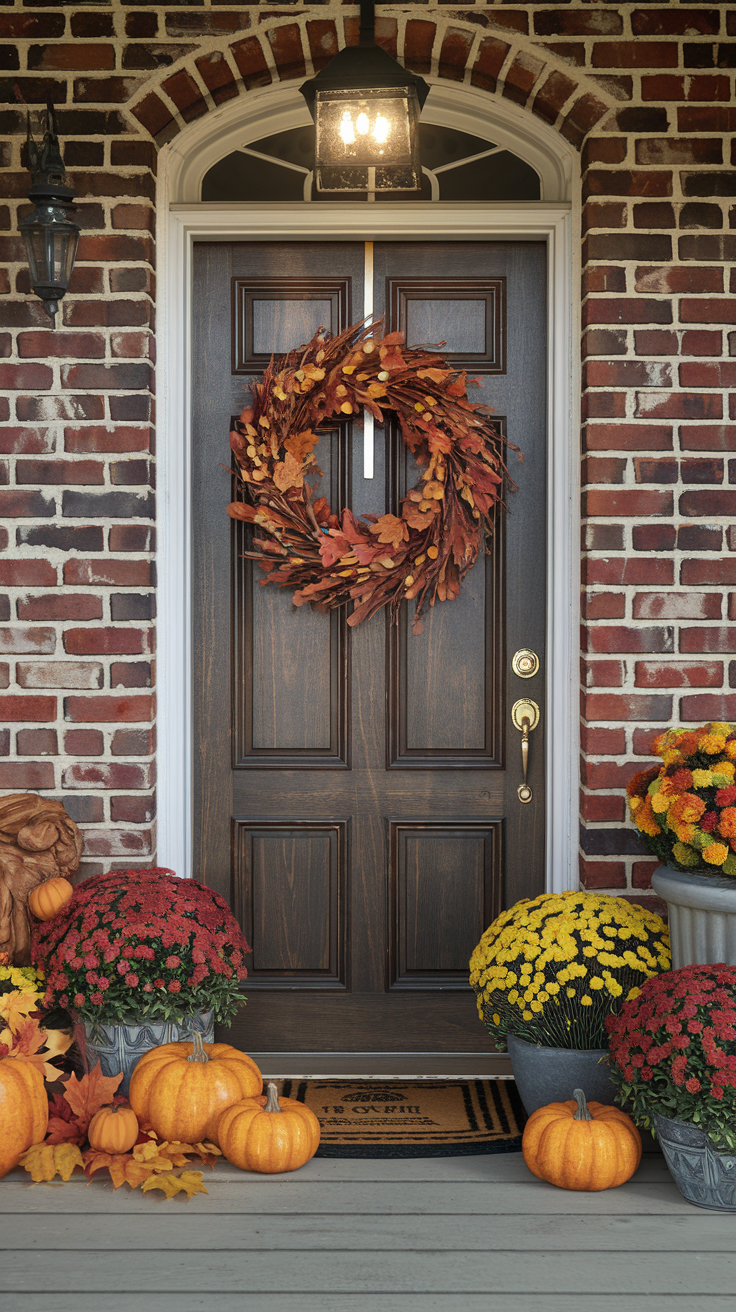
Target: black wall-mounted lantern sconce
column 366, row 111
column 50, row 236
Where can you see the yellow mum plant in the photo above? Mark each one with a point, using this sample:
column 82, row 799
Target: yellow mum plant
column 551, row 968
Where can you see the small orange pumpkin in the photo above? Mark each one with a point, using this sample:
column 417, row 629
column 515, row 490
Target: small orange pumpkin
column 181, row 1089
column 255, row 1138
column 579, row 1145
column 49, row 897
column 24, row 1110
column 113, row 1129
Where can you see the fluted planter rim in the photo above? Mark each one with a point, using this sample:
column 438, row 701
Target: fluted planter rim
column 695, row 888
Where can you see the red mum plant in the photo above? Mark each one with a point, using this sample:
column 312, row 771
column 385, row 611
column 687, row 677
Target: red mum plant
column 673, row 1050
column 686, row 809
column 142, row 945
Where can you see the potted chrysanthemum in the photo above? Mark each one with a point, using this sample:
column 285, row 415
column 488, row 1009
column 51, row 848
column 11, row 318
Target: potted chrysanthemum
column 673, row 1057
column 685, row 811
column 140, row 958
column 548, row 972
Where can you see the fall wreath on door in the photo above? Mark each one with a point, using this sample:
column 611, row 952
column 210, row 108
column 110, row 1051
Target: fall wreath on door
column 426, row 550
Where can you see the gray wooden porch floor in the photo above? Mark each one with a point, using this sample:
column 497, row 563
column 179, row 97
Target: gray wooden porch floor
column 473, row 1233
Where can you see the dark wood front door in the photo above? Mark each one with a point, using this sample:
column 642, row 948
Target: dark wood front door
column 355, row 791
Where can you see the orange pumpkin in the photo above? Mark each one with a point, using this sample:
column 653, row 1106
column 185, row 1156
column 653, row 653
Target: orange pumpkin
column 24, row 1110
column 113, row 1130
column 181, row 1089
column 579, row 1145
column 49, row 897
column 263, row 1134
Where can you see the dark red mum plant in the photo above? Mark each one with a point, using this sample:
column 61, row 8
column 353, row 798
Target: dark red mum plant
column 142, row 944
column 673, row 1050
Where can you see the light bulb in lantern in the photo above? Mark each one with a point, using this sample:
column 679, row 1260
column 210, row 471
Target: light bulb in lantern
column 381, row 129
column 362, row 124
column 347, row 131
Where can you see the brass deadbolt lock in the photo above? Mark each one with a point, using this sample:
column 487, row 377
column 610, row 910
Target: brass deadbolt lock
column 525, row 663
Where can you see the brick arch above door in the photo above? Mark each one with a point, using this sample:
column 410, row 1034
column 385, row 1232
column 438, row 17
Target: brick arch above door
column 482, row 54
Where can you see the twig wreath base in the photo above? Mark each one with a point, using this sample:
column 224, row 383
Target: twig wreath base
column 424, row 552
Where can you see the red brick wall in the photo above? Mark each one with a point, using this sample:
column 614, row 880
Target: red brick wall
column 645, row 94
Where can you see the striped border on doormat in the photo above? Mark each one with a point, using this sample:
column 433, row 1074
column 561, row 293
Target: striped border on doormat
column 412, row 1118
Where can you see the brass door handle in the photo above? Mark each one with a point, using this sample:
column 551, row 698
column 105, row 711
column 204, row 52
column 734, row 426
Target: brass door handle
column 525, row 715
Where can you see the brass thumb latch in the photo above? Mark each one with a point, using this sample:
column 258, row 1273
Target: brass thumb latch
column 525, row 715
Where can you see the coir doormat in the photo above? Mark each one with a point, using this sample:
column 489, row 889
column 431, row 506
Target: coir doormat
column 422, row 1118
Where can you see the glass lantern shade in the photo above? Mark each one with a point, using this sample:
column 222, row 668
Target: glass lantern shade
column 51, row 245
column 51, row 252
column 367, row 139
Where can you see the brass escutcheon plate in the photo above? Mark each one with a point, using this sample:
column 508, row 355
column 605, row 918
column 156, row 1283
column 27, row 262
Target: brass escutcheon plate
column 525, row 663
column 525, row 709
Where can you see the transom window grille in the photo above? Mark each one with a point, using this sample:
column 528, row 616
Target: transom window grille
column 455, row 166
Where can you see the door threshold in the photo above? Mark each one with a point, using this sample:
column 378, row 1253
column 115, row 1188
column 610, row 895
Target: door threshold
column 384, row 1065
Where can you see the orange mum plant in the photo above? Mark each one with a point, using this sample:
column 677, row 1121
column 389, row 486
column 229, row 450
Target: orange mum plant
column 686, row 808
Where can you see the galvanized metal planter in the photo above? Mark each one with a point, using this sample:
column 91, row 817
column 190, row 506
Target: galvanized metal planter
column 704, row 1176
column 118, row 1047
column 702, row 915
column 545, row 1075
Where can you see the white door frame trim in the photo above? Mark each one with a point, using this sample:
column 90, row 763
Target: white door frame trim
column 180, row 225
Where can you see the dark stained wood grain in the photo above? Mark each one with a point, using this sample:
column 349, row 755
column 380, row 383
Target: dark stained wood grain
column 355, row 790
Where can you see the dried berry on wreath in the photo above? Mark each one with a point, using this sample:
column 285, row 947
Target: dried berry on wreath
column 425, row 551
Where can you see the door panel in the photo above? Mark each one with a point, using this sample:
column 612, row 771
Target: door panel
column 355, row 790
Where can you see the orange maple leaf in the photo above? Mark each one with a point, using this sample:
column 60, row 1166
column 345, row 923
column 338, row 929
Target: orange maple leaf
column 88, row 1095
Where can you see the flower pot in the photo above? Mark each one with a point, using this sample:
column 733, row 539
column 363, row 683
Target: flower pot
column 703, row 1175
column 545, row 1075
column 119, row 1046
column 702, row 915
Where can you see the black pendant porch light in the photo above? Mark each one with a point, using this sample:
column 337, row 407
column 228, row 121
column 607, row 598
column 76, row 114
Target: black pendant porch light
column 366, row 111
column 50, row 236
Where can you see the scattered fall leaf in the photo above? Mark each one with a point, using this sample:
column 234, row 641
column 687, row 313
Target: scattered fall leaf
column 188, row 1183
column 44, row 1161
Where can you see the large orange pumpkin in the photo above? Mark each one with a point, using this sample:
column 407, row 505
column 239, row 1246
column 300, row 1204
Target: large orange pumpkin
column 181, row 1089
column 113, row 1129
column 24, row 1110
column 579, row 1145
column 49, row 897
column 263, row 1134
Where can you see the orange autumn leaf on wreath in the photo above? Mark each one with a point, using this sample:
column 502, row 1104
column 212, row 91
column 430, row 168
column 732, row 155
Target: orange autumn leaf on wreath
column 391, row 530
column 301, row 445
column 288, row 473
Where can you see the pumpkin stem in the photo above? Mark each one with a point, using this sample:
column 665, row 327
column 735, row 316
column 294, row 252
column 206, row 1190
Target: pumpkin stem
column 582, row 1113
column 198, row 1052
column 272, row 1102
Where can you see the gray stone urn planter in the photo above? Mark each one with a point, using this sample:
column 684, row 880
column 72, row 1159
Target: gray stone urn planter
column 118, row 1047
column 702, row 915
column 704, row 1176
column 545, row 1075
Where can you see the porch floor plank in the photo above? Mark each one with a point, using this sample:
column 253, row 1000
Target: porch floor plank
column 466, row 1233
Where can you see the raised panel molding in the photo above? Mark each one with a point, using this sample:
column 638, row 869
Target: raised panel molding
column 289, row 893
column 307, row 696
column 251, row 351
column 486, row 296
column 421, row 668
column 445, row 889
